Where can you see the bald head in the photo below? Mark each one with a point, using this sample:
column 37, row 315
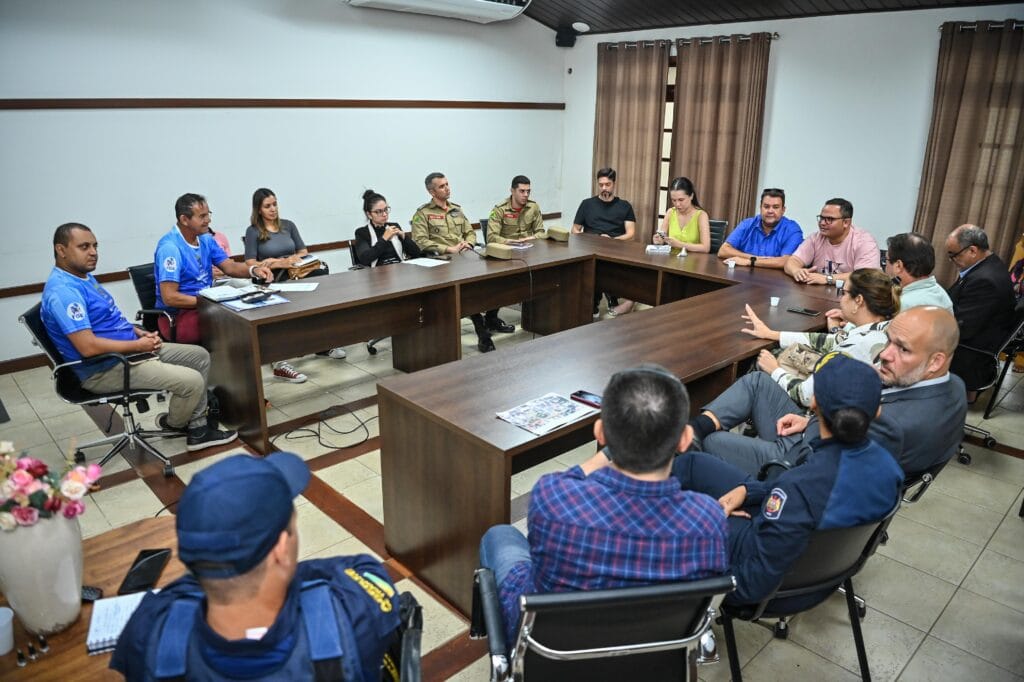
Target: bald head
column 921, row 345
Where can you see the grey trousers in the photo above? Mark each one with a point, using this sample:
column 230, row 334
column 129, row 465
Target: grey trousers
column 182, row 370
column 755, row 396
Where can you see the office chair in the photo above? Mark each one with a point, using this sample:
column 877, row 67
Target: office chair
column 642, row 633
column 144, row 281
column 371, row 345
column 69, row 388
column 718, row 229
column 831, row 559
column 1012, row 345
column 483, row 228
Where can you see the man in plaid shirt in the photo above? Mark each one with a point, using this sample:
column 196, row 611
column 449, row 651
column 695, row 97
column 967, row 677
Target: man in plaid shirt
column 619, row 519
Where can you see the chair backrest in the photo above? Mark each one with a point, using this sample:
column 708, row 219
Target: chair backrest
column 66, row 382
column 718, row 228
column 658, row 622
column 483, row 228
column 144, row 281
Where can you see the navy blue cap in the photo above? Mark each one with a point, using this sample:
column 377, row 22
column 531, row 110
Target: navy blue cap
column 840, row 381
column 232, row 513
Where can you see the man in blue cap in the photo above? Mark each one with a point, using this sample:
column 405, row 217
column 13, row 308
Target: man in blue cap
column 250, row 609
column 847, row 480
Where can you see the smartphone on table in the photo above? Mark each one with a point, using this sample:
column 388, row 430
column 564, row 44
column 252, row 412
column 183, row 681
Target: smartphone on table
column 587, row 398
column 145, row 570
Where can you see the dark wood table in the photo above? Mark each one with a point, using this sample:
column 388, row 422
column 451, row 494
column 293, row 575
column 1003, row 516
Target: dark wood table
column 447, row 460
column 420, row 308
column 105, row 561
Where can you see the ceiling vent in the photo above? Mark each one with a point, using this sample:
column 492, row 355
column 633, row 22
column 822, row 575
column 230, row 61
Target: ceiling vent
column 480, row 11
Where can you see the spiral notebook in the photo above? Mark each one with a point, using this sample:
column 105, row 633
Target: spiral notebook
column 109, row 616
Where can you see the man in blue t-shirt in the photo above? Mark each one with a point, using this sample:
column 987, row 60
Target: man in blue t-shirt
column 183, row 265
column 765, row 240
column 83, row 321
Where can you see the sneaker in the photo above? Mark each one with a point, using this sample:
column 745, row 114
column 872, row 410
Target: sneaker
column 161, row 423
column 334, row 353
column 285, row 372
column 203, row 437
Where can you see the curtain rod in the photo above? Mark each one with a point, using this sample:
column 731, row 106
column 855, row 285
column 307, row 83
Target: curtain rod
column 725, row 39
column 1010, row 24
column 638, row 43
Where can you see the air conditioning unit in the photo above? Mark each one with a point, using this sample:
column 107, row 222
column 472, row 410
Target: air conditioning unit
column 480, row 11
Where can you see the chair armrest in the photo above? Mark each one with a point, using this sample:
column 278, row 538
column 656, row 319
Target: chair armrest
column 120, row 357
column 487, row 608
column 155, row 311
column 357, row 266
column 772, row 469
column 918, row 489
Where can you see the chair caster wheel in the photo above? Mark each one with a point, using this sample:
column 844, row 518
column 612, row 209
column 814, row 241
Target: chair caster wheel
column 990, row 442
column 781, row 630
column 168, row 470
column 963, row 458
column 79, row 457
column 862, row 612
column 371, row 350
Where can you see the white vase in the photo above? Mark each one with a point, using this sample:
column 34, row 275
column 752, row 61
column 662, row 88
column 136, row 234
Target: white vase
column 41, row 573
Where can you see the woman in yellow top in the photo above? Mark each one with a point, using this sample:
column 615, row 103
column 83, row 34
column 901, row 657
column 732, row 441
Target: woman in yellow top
column 686, row 224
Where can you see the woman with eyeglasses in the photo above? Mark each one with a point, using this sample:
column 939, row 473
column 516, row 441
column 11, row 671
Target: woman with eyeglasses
column 277, row 244
column 686, row 224
column 867, row 303
column 380, row 242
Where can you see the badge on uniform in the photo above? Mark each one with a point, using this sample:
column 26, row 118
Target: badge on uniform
column 773, row 506
column 170, row 265
column 76, row 312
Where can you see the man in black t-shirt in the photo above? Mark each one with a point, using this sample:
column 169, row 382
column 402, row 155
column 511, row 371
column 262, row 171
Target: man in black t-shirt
column 608, row 216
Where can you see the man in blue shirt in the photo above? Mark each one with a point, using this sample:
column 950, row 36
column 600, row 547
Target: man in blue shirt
column 183, row 266
column 82, row 319
column 619, row 519
column 766, row 240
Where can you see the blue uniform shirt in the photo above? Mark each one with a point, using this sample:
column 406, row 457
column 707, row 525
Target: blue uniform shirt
column 73, row 304
column 749, row 237
column 190, row 266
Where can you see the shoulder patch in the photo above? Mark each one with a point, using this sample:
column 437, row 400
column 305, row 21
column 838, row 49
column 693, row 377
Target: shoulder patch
column 774, row 504
column 76, row 312
column 170, row 264
column 382, row 598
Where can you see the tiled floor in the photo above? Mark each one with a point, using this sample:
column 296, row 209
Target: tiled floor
column 945, row 596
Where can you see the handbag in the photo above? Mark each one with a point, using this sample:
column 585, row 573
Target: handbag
column 305, row 270
column 799, row 360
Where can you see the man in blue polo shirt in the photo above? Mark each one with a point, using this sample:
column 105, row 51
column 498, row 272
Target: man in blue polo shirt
column 82, row 319
column 765, row 240
column 183, row 266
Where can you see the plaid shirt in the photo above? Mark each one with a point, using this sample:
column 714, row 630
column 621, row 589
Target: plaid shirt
column 608, row 530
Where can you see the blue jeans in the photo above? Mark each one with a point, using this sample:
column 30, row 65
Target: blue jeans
column 501, row 548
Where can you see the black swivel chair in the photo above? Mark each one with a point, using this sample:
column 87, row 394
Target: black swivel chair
column 718, row 230
column 830, row 561
column 144, row 281
column 639, row 633
column 68, row 386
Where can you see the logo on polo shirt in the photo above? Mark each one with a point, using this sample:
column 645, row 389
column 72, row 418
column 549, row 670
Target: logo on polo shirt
column 76, row 312
column 776, row 501
column 170, row 265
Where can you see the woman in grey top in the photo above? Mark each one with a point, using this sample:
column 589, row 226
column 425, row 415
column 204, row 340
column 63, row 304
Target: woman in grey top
column 277, row 244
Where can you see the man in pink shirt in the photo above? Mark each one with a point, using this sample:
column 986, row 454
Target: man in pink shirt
column 836, row 250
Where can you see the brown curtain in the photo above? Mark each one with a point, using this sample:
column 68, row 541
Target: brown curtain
column 631, row 80
column 719, row 117
column 973, row 165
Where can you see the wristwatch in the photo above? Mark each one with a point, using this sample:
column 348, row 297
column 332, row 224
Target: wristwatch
column 830, row 280
column 753, row 259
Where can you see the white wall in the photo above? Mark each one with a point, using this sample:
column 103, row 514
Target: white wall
column 847, row 114
column 119, row 171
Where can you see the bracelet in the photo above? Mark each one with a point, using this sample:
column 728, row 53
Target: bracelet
column 251, row 268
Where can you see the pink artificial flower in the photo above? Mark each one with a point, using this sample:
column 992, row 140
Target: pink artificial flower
column 73, row 509
column 21, row 479
column 35, row 467
column 26, row 516
column 53, row 504
column 33, row 487
column 93, row 473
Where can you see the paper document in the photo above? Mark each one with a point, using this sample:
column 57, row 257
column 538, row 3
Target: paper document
column 109, row 616
column 426, row 262
column 238, row 305
column 295, row 286
column 546, row 413
column 226, row 293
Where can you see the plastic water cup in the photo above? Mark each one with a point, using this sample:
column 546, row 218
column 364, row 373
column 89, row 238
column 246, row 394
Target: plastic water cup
column 774, row 300
column 6, row 630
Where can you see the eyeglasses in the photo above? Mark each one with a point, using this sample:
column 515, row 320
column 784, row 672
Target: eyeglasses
column 828, row 220
column 952, row 256
column 381, row 211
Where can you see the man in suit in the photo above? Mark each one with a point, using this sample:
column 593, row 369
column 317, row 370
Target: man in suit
column 982, row 303
column 923, row 404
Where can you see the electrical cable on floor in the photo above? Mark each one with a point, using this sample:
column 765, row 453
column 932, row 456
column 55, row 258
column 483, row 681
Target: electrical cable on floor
column 306, row 432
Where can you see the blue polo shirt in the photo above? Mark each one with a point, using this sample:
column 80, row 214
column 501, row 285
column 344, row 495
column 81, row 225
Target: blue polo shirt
column 749, row 237
column 73, row 304
column 190, row 266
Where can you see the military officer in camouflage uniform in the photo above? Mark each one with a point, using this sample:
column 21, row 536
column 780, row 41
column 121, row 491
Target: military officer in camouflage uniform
column 439, row 226
column 518, row 219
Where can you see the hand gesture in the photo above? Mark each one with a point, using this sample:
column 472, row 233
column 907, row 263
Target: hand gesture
column 790, row 424
column 758, row 328
column 733, row 500
column 767, row 362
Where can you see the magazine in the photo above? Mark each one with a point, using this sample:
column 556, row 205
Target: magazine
column 546, row 413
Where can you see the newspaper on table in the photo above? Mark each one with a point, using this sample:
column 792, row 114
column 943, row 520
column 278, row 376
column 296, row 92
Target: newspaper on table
column 546, row 413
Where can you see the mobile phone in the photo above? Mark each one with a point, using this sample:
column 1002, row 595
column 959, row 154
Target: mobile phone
column 587, row 398
column 145, row 570
column 804, row 311
column 90, row 593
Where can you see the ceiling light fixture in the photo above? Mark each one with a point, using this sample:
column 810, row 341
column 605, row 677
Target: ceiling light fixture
column 580, row 27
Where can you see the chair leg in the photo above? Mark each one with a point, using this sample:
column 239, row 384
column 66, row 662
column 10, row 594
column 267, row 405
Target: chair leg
column 730, row 644
column 995, row 389
column 1021, row 512
column 858, row 636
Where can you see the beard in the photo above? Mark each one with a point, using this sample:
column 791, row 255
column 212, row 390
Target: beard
column 909, row 379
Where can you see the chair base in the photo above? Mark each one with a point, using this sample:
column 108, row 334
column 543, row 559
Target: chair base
column 134, row 436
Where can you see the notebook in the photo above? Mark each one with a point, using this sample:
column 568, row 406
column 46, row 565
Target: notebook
column 109, row 616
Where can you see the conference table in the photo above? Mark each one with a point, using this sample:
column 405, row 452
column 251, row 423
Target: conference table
column 418, row 307
column 447, row 460
column 105, row 561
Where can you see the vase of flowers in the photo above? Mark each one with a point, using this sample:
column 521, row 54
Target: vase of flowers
column 41, row 541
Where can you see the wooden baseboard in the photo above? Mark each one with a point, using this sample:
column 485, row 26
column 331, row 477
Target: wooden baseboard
column 19, row 364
